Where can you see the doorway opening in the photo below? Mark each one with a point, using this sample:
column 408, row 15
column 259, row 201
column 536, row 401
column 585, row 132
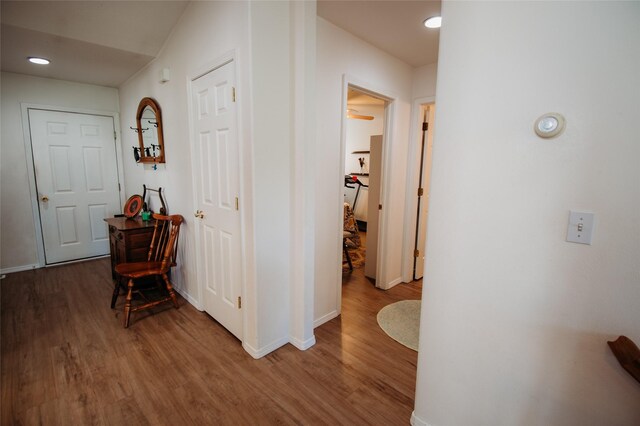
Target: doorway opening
column 364, row 135
column 427, row 114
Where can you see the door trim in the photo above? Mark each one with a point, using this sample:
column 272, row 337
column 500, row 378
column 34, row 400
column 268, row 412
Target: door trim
column 33, row 192
column 413, row 161
column 387, row 142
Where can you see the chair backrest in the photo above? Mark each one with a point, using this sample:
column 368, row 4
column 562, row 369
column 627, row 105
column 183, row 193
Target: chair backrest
column 164, row 243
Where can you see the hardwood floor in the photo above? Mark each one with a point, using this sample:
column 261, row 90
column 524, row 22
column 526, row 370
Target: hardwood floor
column 66, row 359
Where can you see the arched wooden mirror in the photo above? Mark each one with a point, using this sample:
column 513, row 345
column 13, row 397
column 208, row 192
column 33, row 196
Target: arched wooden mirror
column 150, row 139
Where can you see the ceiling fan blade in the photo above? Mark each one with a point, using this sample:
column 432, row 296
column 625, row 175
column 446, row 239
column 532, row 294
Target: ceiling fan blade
column 360, row 117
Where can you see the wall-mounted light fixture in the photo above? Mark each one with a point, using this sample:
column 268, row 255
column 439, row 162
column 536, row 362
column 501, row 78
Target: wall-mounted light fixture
column 549, row 125
column 165, row 75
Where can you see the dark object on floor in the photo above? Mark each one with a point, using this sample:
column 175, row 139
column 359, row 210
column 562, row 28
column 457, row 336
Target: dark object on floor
column 162, row 256
column 627, row 354
column 345, row 248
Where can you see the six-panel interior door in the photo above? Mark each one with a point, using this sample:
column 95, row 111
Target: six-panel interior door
column 216, row 168
column 74, row 158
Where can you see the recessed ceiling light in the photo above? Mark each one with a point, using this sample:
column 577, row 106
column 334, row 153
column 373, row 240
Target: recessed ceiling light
column 549, row 125
column 433, row 22
column 39, row 61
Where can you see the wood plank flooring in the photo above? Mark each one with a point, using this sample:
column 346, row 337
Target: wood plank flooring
column 67, row 360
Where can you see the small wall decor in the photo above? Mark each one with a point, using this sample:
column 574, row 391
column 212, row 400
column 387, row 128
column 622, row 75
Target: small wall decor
column 163, row 209
column 133, row 206
column 149, row 129
column 361, row 161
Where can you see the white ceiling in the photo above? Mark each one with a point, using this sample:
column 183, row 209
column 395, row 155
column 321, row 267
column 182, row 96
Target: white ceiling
column 106, row 42
column 97, row 42
column 394, row 26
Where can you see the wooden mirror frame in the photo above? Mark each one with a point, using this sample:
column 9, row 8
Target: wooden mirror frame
column 151, row 103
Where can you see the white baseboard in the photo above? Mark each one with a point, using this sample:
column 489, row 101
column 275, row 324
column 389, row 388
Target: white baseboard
column 417, row 421
column 259, row 353
column 325, row 318
column 189, row 298
column 19, row 268
column 393, row 283
column 303, row 345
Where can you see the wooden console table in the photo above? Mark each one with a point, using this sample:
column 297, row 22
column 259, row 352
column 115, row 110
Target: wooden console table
column 129, row 240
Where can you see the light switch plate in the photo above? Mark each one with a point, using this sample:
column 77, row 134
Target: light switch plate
column 580, row 227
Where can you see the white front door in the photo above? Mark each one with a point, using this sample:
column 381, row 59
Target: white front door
column 74, row 158
column 217, row 183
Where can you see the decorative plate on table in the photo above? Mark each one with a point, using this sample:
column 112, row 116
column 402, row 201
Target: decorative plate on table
column 133, row 206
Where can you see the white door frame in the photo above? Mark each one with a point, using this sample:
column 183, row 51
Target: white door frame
column 230, row 56
column 26, row 130
column 387, row 142
column 411, row 205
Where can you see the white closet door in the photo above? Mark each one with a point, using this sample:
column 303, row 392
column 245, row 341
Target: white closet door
column 216, row 167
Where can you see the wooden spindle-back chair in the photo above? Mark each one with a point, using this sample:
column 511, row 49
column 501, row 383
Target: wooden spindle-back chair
column 162, row 256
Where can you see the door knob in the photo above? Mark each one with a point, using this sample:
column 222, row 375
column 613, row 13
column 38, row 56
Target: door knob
column 199, row 214
column 44, row 198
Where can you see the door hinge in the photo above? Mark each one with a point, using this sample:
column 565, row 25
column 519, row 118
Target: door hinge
column 115, row 136
column 420, row 192
column 239, row 302
column 119, row 188
column 416, row 253
column 237, row 204
column 425, row 126
column 233, row 94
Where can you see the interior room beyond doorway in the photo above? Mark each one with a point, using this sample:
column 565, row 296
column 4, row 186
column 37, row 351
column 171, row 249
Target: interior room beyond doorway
column 363, row 163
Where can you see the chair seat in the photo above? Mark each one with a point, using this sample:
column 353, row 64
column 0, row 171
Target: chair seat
column 140, row 269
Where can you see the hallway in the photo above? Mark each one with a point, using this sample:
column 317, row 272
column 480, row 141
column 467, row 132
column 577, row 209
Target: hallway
column 67, row 360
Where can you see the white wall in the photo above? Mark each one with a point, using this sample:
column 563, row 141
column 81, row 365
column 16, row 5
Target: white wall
column 424, row 91
column 424, row 81
column 515, row 320
column 260, row 34
column 359, row 134
column 340, row 53
column 18, row 244
column 205, row 32
column 303, row 172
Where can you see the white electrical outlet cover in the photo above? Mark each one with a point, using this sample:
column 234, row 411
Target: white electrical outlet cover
column 580, row 228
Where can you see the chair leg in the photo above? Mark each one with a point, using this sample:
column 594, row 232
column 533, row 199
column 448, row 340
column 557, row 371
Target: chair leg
column 127, row 305
column 346, row 254
column 170, row 290
column 116, row 293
